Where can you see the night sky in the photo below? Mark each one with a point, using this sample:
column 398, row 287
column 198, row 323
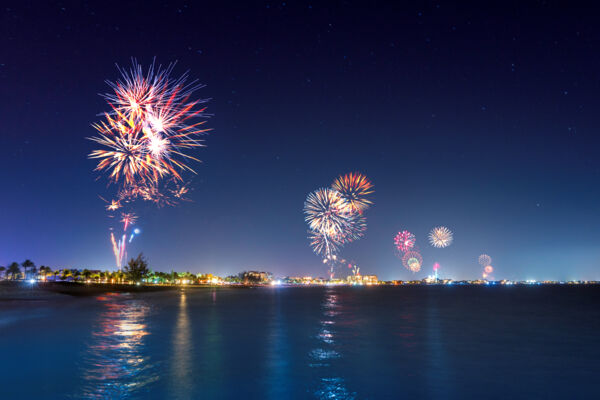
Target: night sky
column 484, row 120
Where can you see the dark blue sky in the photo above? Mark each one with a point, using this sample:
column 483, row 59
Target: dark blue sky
column 480, row 119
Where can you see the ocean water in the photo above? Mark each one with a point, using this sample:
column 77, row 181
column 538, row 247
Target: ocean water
column 305, row 343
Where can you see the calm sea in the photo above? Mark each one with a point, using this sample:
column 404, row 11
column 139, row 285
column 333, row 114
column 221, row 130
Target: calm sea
column 322, row 342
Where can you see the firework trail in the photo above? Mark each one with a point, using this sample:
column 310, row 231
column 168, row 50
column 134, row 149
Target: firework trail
column 440, row 237
column 120, row 247
column 116, row 250
column 355, row 188
column 136, row 231
column 436, row 267
column 323, row 244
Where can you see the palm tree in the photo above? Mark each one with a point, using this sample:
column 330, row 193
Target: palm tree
column 27, row 264
column 13, row 269
column 75, row 274
column 86, row 273
column 45, row 271
column 65, row 274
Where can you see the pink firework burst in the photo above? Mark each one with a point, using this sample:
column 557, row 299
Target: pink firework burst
column 404, row 241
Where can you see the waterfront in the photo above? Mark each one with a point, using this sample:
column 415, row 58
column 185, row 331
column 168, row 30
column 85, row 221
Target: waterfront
column 304, row 342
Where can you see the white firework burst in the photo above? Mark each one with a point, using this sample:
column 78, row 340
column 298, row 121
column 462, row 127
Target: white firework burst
column 440, row 237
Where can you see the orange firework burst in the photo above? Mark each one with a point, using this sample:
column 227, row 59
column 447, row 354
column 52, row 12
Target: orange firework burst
column 355, row 188
column 114, row 205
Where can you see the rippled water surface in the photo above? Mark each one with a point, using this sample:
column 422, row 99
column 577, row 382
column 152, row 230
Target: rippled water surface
column 322, row 342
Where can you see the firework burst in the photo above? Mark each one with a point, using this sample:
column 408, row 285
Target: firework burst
column 355, row 188
column 128, row 219
column 404, row 241
column 412, row 261
column 151, row 125
column 440, row 237
column 484, row 260
column 328, row 213
column 335, row 218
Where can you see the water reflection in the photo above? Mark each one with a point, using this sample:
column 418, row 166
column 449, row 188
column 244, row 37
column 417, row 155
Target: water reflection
column 438, row 385
column 181, row 364
column 279, row 381
column 329, row 387
column 115, row 364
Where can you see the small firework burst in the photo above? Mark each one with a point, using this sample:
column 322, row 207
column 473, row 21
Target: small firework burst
column 488, row 269
column 113, row 205
column 440, row 237
column 484, row 260
column 128, row 219
column 412, row 261
column 404, row 241
column 355, row 188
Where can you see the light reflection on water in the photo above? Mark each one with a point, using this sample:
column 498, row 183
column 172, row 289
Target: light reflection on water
column 278, row 353
column 325, row 343
column 115, row 363
column 181, row 363
column 330, row 387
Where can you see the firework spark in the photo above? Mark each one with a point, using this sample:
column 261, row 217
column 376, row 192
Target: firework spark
column 488, row 269
column 355, row 188
column 404, row 241
column 440, row 237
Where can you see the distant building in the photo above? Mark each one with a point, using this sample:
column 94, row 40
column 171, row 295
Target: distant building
column 257, row 277
column 363, row 279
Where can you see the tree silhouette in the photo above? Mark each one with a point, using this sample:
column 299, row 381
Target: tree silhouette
column 13, row 269
column 26, row 265
column 136, row 269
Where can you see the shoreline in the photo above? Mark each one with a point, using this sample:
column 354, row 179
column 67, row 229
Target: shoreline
column 23, row 290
